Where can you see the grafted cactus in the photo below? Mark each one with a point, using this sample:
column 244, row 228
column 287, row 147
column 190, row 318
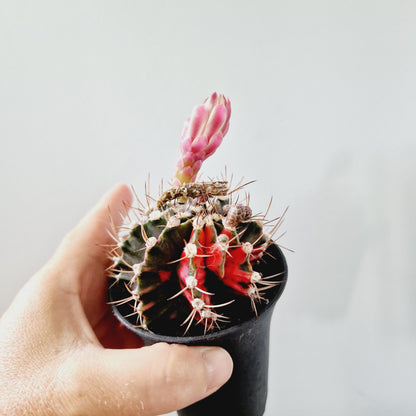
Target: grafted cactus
column 195, row 256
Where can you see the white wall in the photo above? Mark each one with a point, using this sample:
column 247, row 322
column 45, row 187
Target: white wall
column 323, row 94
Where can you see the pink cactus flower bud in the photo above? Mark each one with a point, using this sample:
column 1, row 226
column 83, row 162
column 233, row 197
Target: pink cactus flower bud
column 203, row 132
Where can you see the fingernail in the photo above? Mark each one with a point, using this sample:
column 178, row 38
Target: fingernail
column 218, row 366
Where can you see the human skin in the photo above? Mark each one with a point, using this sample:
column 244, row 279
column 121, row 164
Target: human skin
column 62, row 352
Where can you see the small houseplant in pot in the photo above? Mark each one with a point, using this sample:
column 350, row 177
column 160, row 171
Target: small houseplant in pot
column 196, row 267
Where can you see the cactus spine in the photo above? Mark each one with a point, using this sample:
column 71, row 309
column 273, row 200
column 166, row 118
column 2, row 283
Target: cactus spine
column 194, row 254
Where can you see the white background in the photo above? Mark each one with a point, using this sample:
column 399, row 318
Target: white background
column 323, row 96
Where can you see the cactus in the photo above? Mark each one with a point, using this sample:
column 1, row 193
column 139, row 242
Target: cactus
column 190, row 262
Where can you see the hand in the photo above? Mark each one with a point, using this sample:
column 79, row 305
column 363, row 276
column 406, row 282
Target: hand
column 63, row 353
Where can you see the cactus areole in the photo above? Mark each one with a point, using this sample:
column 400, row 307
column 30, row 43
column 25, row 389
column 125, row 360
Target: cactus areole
column 195, row 260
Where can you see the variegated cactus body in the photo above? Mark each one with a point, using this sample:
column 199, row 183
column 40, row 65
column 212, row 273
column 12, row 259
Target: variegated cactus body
column 180, row 250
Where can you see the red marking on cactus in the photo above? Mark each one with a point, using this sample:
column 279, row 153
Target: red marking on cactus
column 216, row 260
column 210, row 234
column 236, row 255
column 239, row 274
column 202, row 232
column 192, row 266
column 164, row 275
column 229, row 234
column 235, row 277
column 257, row 252
column 223, row 255
column 202, row 134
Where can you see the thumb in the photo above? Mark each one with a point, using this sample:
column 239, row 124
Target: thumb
column 148, row 381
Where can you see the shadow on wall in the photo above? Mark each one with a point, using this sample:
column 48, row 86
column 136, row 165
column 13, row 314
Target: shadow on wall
column 355, row 238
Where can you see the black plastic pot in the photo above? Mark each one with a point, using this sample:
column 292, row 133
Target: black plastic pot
column 248, row 344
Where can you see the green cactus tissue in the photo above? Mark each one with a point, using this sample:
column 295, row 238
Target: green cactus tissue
column 190, row 261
